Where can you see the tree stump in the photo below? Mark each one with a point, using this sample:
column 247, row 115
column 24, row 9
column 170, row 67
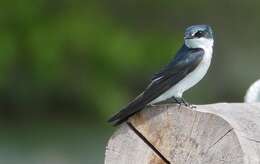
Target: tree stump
column 224, row 133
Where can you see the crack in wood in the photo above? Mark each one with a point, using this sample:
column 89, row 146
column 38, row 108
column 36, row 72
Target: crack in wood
column 142, row 137
column 220, row 138
column 192, row 127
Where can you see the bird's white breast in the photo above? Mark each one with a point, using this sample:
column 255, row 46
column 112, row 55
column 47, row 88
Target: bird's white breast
column 191, row 79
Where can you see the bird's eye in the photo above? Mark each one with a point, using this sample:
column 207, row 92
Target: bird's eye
column 199, row 34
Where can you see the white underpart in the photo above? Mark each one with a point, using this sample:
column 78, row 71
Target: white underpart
column 253, row 93
column 196, row 75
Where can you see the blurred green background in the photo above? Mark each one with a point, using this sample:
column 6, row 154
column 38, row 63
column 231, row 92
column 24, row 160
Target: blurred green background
column 66, row 66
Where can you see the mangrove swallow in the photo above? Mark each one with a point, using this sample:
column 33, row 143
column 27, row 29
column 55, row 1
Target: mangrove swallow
column 187, row 68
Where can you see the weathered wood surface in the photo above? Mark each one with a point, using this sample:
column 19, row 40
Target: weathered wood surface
column 210, row 134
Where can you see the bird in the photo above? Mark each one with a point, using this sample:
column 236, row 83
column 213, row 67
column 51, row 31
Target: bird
column 186, row 69
column 253, row 93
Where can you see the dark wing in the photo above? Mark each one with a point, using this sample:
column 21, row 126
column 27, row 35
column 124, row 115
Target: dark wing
column 185, row 62
column 179, row 56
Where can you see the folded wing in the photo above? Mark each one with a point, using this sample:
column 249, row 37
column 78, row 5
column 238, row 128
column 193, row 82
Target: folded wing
column 185, row 62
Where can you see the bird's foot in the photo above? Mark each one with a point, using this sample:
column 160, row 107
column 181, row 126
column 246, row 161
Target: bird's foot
column 176, row 100
column 187, row 104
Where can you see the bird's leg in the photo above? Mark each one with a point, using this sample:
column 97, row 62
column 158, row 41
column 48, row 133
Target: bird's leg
column 187, row 104
column 176, row 100
column 172, row 100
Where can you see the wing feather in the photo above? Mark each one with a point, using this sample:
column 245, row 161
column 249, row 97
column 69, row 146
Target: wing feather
column 185, row 62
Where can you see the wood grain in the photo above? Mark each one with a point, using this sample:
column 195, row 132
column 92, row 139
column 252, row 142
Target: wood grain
column 210, row 134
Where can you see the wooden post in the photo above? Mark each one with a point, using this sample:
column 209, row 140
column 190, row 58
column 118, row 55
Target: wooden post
column 209, row 134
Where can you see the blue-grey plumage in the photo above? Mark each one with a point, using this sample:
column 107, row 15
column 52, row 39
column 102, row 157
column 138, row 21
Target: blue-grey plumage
column 186, row 69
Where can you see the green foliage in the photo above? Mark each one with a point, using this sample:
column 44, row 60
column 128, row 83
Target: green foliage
column 76, row 53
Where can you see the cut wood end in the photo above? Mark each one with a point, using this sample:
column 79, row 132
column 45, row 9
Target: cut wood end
column 216, row 133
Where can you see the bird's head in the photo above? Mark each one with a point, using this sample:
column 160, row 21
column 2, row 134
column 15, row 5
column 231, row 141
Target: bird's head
column 199, row 36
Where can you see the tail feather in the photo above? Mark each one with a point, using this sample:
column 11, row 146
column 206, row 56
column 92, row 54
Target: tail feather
column 133, row 107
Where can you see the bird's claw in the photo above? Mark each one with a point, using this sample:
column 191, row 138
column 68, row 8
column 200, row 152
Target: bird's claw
column 181, row 101
column 188, row 104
